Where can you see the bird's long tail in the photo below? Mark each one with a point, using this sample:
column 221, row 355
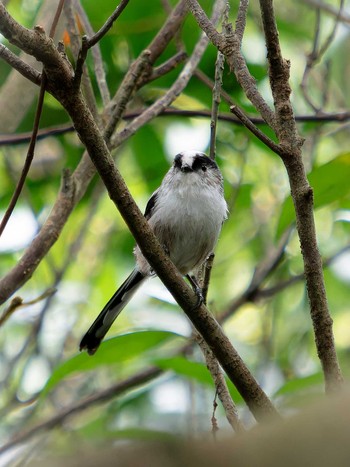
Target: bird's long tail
column 110, row 312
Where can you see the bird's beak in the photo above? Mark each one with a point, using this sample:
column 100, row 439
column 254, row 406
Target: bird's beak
column 186, row 168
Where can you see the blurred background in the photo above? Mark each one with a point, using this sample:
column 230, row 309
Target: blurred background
column 42, row 374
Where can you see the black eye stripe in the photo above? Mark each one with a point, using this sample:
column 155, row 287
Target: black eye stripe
column 203, row 162
column 200, row 162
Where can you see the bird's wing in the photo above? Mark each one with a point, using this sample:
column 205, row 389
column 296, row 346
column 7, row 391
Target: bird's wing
column 150, row 205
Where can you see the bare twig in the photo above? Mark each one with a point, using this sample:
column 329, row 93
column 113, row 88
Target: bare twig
column 216, row 90
column 168, row 65
column 91, row 137
column 126, row 91
column 120, row 388
column 344, row 17
column 213, row 366
column 20, row 138
column 174, row 90
column 28, row 160
column 255, row 130
column 73, row 187
column 282, row 285
column 15, row 62
column 18, row 302
column 263, row 270
column 108, row 24
column 81, row 71
column 30, row 153
column 208, row 265
column 96, row 55
column 219, row 68
column 140, row 71
column 316, row 54
column 241, row 19
column 220, row 384
column 214, row 422
column 229, row 44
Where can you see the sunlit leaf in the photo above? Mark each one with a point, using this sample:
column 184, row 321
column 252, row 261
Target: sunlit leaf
column 300, row 384
column 115, row 350
column 194, row 370
column 330, row 183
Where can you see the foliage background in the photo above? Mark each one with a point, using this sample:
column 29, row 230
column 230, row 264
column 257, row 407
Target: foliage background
column 41, row 371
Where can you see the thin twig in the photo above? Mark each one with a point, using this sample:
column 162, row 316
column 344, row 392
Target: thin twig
column 140, row 71
column 212, row 363
column 167, row 66
column 96, row 55
column 20, row 138
column 230, row 46
column 317, row 53
column 241, row 19
column 73, row 187
column 263, row 270
column 208, row 266
column 17, row 302
column 108, row 24
column 216, row 90
column 174, row 91
column 344, row 17
column 219, row 68
column 29, row 157
column 220, row 384
column 81, row 71
column 87, row 43
column 15, row 62
column 31, row 149
column 255, row 130
column 119, row 388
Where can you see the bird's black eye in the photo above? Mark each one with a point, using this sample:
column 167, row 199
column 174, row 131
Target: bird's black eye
column 204, row 168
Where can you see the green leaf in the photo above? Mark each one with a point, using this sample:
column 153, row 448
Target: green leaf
column 97, row 430
column 330, row 183
column 115, row 350
column 188, row 368
column 299, row 384
column 194, row 370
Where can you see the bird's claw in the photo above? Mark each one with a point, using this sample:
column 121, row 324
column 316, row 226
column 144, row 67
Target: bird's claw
column 200, row 299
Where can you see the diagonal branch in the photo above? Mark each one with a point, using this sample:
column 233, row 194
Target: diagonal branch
column 108, row 24
column 73, row 187
column 117, row 389
column 15, row 62
column 229, row 44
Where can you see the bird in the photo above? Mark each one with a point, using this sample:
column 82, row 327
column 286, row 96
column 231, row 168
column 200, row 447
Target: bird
column 186, row 214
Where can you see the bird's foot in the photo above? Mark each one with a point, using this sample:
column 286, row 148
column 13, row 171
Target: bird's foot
column 197, row 290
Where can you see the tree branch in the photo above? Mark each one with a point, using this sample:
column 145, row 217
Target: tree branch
column 119, row 388
column 74, row 187
column 31, row 149
column 302, row 195
column 61, row 84
column 15, row 62
column 20, row 138
column 108, row 24
column 229, row 44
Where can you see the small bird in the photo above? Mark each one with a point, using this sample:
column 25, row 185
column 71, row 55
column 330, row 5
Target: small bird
column 186, row 214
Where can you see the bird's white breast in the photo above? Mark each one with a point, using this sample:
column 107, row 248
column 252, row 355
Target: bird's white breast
column 187, row 219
